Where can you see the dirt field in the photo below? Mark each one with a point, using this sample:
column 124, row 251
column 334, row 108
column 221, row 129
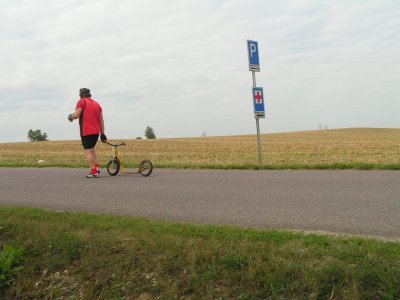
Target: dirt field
column 342, row 148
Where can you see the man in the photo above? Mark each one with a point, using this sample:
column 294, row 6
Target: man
column 91, row 124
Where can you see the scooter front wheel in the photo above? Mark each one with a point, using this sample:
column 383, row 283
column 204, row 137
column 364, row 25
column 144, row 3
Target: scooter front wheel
column 145, row 167
column 113, row 167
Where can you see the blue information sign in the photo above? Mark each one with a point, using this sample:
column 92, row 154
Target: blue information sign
column 258, row 102
column 254, row 61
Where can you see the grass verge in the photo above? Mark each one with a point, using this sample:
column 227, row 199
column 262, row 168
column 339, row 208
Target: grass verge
column 319, row 166
column 216, row 166
column 100, row 256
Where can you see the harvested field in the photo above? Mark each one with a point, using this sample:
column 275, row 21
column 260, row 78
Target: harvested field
column 363, row 148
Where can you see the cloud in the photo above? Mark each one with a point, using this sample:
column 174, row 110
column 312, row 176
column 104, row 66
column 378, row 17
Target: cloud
column 182, row 67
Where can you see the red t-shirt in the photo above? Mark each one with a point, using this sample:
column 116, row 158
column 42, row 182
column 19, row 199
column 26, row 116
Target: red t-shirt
column 89, row 121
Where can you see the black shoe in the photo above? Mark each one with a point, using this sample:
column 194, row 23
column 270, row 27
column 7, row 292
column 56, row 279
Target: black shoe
column 91, row 175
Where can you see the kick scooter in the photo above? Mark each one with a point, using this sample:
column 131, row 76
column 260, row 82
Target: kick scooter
column 115, row 165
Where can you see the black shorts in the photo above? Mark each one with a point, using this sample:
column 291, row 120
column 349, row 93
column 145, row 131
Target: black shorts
column 89, row 141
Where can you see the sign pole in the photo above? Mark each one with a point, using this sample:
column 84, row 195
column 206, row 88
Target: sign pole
column 258, row 93
column 257, row 125
column 258, row 140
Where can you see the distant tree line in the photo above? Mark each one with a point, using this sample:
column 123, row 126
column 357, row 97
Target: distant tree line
column 37, row 135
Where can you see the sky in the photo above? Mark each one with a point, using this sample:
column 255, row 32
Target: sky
column 181, row 66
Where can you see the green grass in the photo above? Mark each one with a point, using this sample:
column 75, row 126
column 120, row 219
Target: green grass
column 319, row 166
column 98, row 256
column 10, row 260
column 174, row 165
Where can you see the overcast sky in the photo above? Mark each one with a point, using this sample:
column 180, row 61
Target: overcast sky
column 181, row 66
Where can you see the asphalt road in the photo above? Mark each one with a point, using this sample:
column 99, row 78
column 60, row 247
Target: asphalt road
column 349, row 202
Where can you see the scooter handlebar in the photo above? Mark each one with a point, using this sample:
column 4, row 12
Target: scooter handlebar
column 115, row 145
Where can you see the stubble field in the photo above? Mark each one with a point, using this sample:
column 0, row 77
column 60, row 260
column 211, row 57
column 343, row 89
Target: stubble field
column 361, row 148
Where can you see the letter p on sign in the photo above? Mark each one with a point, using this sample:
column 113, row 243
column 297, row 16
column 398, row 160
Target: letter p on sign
column 253, row 49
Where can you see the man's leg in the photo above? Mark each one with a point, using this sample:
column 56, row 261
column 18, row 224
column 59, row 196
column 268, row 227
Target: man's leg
column 91, row 158
column 88, row 143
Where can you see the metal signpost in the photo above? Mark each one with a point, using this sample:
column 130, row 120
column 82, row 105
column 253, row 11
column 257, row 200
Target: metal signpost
column 258, row 93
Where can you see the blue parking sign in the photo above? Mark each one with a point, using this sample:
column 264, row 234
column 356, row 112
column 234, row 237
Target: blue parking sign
column 258, row 102
column 254, row 61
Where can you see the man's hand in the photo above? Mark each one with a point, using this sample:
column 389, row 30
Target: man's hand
column 103, row 138
column 70, row 118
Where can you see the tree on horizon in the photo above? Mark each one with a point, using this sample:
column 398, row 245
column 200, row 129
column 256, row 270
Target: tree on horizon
column 37, row 135
column 149, row 133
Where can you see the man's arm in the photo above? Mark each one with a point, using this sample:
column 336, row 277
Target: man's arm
column 103, row 137
column 75, row 115
column 101, row 122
